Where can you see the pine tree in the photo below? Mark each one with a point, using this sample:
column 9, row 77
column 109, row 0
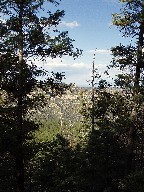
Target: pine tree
column 129, row 59
column 26, row 36
column 131, row 23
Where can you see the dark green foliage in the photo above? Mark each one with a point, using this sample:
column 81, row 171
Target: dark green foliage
column 22, row 17
column 7, row 173
column 58, row 167
column 35, row 158
column 25, row 37
column 129, row 58
column 54, row 166
column 105, row 161
column 133, row 182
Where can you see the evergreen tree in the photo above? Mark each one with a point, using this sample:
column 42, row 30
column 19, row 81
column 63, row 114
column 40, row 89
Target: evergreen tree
column 129, row 59
column 25, row 35
column 131, row 23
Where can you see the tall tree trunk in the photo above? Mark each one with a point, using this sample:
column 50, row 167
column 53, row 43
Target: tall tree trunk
column 19, row 155
column 93, row 99
column 139, row 50
column 139, row 64
column 20, row 170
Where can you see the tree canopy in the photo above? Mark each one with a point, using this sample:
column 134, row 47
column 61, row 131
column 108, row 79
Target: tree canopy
column 26, row 35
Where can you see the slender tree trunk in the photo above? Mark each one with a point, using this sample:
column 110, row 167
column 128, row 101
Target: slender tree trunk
column 93, row 99
column 139, row 64
column 139, row 50
column 20, row 170
column 19, row 155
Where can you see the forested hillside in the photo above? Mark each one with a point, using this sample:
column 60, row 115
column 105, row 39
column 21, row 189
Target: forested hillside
column 61, row 115
column 57, row 137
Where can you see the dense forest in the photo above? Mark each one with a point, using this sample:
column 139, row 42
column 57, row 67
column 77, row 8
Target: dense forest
column 57, row 137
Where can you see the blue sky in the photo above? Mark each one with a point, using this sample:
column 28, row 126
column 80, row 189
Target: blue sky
column 89, row 23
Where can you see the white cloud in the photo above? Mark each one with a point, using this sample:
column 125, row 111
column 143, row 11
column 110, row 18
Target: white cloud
column 75, row 71
column 79, row 65
column 100, row 66
column 58, row 63
column 70, row 24
column 48, row 62
column 100, row 51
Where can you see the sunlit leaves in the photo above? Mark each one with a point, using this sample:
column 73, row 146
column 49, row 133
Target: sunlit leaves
column 130, row 17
